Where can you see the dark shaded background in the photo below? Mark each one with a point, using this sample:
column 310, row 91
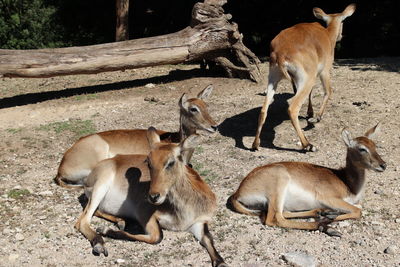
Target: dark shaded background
column 372, row 31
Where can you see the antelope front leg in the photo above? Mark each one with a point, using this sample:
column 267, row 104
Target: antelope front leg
column 153, row 230
column 200, row 231
column 350, row 211
column 119, row 221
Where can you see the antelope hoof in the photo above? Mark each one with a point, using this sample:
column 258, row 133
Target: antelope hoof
column 310, row 148
column 222, row 264
column 256, row 145
column 99, row 249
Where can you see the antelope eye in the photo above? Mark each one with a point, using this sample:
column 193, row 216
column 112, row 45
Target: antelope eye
column 362, row 150
column 170, row 164
column 193, row 109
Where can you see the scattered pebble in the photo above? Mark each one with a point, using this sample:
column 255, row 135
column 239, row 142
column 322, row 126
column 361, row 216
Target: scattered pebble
column 397, row 220
column 151, row 99
column 150, row 85
column 299, row 259
column 378, row 192
column 344, row 224
column 7, row 231
column 46, row 193
column 119, row 261
column 392, row 249
column 13, row 257
column 19, row 237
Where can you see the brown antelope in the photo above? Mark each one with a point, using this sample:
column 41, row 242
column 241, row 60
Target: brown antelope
column 159, row 191
column 302, row 53
column 280, row 191
column 83, row 156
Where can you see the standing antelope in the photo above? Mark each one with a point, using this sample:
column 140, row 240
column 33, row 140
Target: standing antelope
column 83, row 156
column 159, row 191
column 284, row 190
column 301, row 54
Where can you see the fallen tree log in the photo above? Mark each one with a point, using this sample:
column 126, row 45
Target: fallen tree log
column 210, row 37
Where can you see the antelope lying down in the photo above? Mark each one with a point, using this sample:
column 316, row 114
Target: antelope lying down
column 280, row 191
column 83, row 156
column 159, row 191
column 301, row 54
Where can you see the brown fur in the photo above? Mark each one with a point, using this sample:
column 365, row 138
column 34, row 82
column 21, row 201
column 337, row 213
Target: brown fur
column 179, row 199
column 83, row 156
column 301, row 54
column 283, row 190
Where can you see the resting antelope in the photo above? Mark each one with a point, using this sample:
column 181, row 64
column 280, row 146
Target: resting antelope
column 159, row 191
column 83, row 156
column 280, row 191
column 301, row 54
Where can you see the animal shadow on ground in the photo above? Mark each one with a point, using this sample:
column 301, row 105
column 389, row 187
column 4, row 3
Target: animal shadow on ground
column 133, row 176
column 245, row 124
column 37, row 97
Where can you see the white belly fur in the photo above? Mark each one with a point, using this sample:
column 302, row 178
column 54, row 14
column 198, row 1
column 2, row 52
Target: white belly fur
column 298, row 199
column 116, row 203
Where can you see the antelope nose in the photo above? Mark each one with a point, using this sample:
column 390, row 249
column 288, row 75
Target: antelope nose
column 154, row 197
column 383, row 166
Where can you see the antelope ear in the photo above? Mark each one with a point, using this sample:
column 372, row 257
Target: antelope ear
column 371, row 133
column 152, row 137
column 206, row 92
column 320, row 14
column 348, row 11
column 183, row 102
column 346, row 136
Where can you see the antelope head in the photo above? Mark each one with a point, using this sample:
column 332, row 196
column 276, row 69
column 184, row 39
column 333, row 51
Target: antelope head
column 362, row 150
column 195, row 111
column 167, row 163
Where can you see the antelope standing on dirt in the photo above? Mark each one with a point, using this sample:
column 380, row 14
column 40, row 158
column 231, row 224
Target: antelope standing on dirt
column 159, row 191
column 280, row 191
column 83, row 156
column 302, row 53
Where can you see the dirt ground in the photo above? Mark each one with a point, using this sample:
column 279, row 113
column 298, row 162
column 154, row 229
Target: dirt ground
column 41, row 118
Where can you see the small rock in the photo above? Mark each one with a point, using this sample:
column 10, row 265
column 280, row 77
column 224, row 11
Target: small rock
column 378, row 192
column 7, row 231
column 392, row 249
column 13, row 257
column 150, row 85
column 299, row 259
column 344, row 224
column 377, row 223
column 151, row 99
column 19, row 237
column 43, row 217
column 397, row 220
column 120, row 261
column 46, row 193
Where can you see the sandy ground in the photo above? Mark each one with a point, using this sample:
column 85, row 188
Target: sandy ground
column 41, row 118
